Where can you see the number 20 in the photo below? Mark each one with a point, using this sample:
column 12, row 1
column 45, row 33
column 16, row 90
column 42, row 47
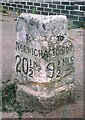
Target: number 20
column 22, row 63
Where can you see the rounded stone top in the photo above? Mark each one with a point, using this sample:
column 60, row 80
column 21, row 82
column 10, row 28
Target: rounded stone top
column 43, row 18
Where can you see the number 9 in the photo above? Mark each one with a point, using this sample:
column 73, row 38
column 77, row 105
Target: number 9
column 50, row 68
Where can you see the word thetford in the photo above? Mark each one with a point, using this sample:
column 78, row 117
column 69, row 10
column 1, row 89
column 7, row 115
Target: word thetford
column 44, row 60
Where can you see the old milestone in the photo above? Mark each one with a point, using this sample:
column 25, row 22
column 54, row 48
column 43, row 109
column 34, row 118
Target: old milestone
column 44, row 60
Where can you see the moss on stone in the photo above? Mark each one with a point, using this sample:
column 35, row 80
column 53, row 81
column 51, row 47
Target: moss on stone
column 32, row 103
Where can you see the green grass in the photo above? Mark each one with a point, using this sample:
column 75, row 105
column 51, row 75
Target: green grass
column 8, row 97
column 9, row 102
column 75, row 25
column 0, row 99
column 33, row 11
column 17, row 11
column 3, row 10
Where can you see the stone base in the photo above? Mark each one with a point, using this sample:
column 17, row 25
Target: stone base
column 32, row 100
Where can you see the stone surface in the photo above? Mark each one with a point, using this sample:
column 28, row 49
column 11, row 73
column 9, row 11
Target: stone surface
column 44, row 60
column 70, row 110
column 9, row 116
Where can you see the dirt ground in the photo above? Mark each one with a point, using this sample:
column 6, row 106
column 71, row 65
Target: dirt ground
column 8, row 52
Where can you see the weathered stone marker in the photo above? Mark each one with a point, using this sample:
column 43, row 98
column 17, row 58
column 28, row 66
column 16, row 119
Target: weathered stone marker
column 44, row 60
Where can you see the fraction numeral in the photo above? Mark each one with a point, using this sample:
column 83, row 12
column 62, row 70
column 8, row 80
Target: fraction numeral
column 22, row 66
